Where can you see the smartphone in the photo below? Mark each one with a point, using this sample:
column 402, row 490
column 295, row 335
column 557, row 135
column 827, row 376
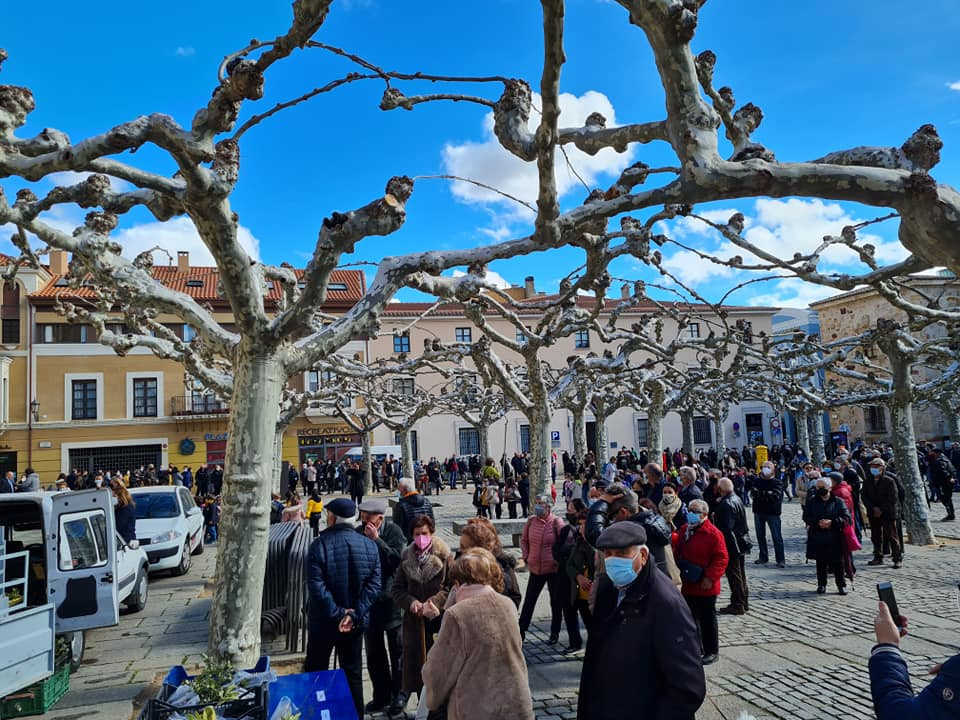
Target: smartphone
column 885, row 591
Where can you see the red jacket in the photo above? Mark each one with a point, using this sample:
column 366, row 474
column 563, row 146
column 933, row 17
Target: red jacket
column 536, row 544
column 844, row 492
column 706, row 548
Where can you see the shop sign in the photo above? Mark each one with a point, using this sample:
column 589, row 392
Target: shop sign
column 325, row 430
column 215, row 436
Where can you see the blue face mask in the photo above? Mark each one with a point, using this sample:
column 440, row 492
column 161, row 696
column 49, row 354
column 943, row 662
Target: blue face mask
column 693, row 518
column 875, row 471
column 539, row 510
column 620, row 571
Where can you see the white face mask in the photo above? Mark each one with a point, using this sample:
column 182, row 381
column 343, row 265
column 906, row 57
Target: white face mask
column 767, row 471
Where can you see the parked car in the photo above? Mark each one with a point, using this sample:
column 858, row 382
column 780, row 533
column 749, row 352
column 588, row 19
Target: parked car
column 169, row 527
column 62, row 576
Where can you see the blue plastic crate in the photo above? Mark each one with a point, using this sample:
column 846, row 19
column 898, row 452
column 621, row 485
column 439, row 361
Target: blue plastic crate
column 178, row 676
column 322, row 695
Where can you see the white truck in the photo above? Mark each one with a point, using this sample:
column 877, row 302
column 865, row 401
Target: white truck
column 63, row 570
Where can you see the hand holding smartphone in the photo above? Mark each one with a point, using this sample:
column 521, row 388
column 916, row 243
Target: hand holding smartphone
column 885, row 591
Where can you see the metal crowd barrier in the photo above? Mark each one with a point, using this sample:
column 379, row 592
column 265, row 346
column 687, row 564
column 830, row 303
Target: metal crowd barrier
column 285, row 583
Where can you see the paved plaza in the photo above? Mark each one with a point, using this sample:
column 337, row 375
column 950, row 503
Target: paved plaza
column 795, row 655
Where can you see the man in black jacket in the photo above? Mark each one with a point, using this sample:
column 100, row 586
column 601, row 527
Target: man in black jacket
column 942, row 475
column 343, row 581
column 384, row 614
column 410, row 504
column 642, row 630
column 730, row 517
column 881, row 495
column 767, row 493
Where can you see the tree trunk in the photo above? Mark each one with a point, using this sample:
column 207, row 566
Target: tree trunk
column 483, row 431
column 720, row 432
column 655, row 424
column 249, row 468
column 602, row 440
column 539, row 418
column 953, row 421
column 579, row 434
column 406, row 449
column 817, row 444
column 367, row 460
column 803, row 434
column 916, row 520
column 686, row 420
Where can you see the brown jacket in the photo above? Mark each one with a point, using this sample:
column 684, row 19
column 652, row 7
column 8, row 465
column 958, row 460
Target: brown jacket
column 476, row 665
column 424, row 582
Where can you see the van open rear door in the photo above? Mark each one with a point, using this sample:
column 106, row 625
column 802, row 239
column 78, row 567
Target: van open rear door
column 81, row 559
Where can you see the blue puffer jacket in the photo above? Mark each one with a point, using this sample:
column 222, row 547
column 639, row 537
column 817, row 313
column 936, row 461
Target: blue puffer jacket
column 893, row 697
column 343, row 572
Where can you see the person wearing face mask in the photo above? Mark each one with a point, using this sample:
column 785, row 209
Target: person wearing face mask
column 847, row 467
column 642, row 631
column 881, row 497
column 701, row 553
column 671, row 508
column 536, row 545
column 825, row 516
column 767, row 492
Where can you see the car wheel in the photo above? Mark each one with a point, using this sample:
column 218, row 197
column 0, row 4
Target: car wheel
column 184, row 565
column 78, row 643
column 199, row 549
column 138, row 598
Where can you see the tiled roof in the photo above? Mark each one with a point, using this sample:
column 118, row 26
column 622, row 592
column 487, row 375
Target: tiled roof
column 200, row 283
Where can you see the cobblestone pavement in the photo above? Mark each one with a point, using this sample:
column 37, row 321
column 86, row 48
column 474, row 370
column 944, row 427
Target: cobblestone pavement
column 795, row 655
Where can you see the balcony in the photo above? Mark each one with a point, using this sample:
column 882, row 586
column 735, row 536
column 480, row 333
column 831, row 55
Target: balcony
column 197, row 406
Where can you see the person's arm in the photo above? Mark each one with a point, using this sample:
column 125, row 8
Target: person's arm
column 320, row 596
column 525, row 540
column 370, row 589
column 718, row 561
column 399, row 591
column 445, row 661
column 682, row 685
column 597, row 521
column 391, row 551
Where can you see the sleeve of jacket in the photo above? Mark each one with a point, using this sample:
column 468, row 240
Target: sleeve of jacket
column 724, row 519
column 391, row 545
column 677, row 647
column 893, row 697
column 658, row 530
column 371, row 584
column 718, row 561
column 320, row 598
column 597, row 521
column 525, row 541
column 441, row 672
column 399, row 592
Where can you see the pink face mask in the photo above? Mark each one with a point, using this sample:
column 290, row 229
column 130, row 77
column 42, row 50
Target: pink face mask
column 422, row 541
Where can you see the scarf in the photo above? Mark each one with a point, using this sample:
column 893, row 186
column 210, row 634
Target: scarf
column 670, row 509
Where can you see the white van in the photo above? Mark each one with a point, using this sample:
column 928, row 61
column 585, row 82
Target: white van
column 377, row 452
column 63, row 570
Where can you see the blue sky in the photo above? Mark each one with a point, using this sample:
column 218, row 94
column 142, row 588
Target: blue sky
column 828, row 76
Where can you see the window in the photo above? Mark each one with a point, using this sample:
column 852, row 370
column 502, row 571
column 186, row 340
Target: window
column 317, row 379
column 581, row 339
column 194, row 283
column 80, row 535
column 63, row 333
column 11, row 331
column 693, row 330
column 188, row 333
column 403, row 386
column 84, row 400
column 875, row 418
column 401, row 343
column 469, row 441
column 701, row 431
column 464, row 335
column 414, row 443
column 11, row 314
column 337, row 286
column 145, row 397
column 524, row 438
column 521, row 336
column 746, row 329
column 643, row 432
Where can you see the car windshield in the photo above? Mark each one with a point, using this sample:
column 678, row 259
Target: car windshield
column 156, row 505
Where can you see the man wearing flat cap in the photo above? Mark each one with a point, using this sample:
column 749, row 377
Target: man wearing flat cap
column 384, row 625
column 642, row 630
column 881, row 495
column 343, row 581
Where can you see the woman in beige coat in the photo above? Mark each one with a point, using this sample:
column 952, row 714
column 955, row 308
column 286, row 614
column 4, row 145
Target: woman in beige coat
column 420, row 589
column 476, row 667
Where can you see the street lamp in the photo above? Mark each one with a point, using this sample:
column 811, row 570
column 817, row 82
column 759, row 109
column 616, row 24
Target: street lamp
column 35, row 409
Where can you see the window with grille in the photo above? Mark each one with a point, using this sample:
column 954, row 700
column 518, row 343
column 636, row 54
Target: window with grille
column 875, row 418
column 581, row 339
column 401, row 343
column 643, row 432
column 122, row 458
column 84, row 401
column 145, row 397
column 11, row 314
column 464, row 334
column 11, row 331
column 62, row 333
column 693, row 330
column 702, row 434
column 403, row 386
column 524, row 438
column 469, row 441
column 413, row 443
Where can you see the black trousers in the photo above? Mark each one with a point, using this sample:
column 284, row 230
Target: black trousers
column 946, row 496
column 833, row 568
column 883, row 533
column 534, row 588
column 349, row 647
column 385, row 674
column 737, row 580
column 704, row 611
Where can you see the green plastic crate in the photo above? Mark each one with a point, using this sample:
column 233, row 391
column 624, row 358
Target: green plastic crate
column 39, row 697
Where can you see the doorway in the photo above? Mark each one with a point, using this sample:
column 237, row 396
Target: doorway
column 754, row 423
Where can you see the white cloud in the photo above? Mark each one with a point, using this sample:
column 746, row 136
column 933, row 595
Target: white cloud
column 791, row 293
column 185, row 51
column 487, row 162
column 954, row 85
column 71, row 177
column 174, row 235
column 494, row 278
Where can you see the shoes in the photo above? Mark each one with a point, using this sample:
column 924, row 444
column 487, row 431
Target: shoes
column 553, row 640
column 876, row 561
column 572, row 649
column 760, row 561
column 896, row 564
column 397, row 706
column 821, row 590
column 375, row 706
column 781, row 565
column 841, row 591
column 948, row 518
column 730, row 610
column 710, row 659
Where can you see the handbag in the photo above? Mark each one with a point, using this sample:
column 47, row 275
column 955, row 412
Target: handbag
column 850, row 541
column 689, row 572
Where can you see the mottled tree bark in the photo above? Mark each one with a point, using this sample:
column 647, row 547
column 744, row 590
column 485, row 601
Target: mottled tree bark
column 483, row 432
column 251, row 463
column 367, row 462
column 686, row 421
column 803, row 432
column 721, row 432
column 817, row 445
column 406, row 449
column 579, row 434
column 655, row 423
column 601, row 438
